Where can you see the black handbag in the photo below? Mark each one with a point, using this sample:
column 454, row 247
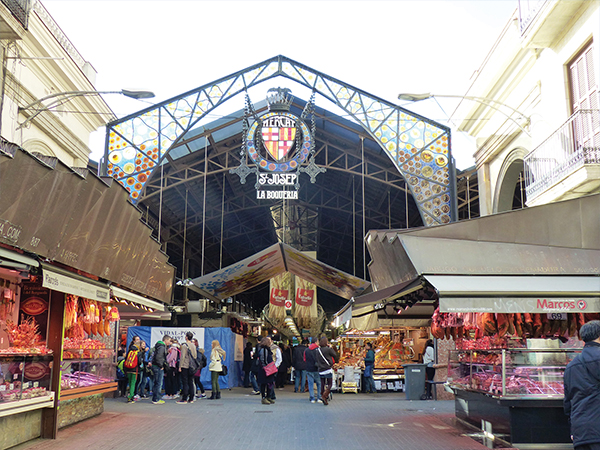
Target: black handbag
column 223, row 371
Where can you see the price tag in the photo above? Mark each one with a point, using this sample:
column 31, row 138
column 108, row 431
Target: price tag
column 26, row 385
column 3, row 387
column 36, row 384
column 557, row 316
column 15, row 376
column 11, row 387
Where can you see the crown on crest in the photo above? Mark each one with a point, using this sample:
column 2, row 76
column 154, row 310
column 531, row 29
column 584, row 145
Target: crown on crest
column 279, row 99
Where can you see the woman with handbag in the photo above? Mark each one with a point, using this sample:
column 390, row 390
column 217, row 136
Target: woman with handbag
column 217, row 355
column 325, row 359
column 267, row 371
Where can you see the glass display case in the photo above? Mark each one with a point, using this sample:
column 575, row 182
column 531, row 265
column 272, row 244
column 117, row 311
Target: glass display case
column 25, row 376
column 83, row 368
column 510, row 373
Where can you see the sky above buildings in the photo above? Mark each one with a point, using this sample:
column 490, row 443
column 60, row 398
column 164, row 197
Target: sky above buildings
column 383, row 48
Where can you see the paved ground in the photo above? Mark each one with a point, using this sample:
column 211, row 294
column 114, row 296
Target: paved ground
column 239, row 421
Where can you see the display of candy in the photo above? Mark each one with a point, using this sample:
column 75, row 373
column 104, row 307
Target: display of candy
column 37, row 350
column 83, row 344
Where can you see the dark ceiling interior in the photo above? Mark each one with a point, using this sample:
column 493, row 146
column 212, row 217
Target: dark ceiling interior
column 234, row 224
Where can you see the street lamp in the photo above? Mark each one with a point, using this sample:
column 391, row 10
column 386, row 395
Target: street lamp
column 64, row 97
column 483, row 100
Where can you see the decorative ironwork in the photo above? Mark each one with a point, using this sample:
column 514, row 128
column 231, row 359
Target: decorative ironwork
column 419, row 148
column 575, row 144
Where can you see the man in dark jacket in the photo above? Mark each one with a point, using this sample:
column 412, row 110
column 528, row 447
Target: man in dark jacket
column 247, row 364
column 299, row 365
column 582, row 390
column 312, row 373
column 158, row 364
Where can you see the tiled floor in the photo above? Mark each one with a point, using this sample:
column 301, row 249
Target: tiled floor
column 239, row 421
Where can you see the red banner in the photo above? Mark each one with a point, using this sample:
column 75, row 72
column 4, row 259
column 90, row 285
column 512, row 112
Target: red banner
column 305, row 297
column 279, row 296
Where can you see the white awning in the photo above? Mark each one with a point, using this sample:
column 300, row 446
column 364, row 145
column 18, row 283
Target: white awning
column 60, row 280
column 515, row 286
column 14, row 256
column 123, row 294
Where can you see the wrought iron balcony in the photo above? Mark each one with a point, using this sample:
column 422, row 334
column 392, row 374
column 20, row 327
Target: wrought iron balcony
column 528, row 9
column 574, row 145
column 19, row 9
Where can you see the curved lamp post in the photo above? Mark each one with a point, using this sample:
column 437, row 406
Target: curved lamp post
column 483, row 100
column 63, row 97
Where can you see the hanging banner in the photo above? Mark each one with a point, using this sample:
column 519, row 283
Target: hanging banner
column 305, row 308
column 282, row 288
column 34, row 305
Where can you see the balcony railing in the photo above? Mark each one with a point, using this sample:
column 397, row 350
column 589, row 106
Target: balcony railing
column 575, row 144
column 20, row 9
column 528, row 9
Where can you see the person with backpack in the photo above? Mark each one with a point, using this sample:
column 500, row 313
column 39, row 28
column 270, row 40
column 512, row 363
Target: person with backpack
column 158, row 364
column 202, row 362
column 171, row 374
column 188, row 366
column 131, row 366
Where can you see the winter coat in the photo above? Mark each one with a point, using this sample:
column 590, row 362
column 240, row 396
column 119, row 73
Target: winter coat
column 370, row 358
column 327, row 360
column 298, row 359
column 247, row 359
column 310, row 359
column 582, row 395
column 140, row 359
column 159, row 357
column 187, row 350
column 216, row 359
column 265, row 357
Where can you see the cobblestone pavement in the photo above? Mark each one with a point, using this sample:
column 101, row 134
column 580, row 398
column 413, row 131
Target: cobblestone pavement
column 239, row 421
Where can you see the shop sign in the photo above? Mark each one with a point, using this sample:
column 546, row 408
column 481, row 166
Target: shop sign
column 520, row 305
column 58, row 282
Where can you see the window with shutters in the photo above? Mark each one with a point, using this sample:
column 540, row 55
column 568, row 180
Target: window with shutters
column 584, row 99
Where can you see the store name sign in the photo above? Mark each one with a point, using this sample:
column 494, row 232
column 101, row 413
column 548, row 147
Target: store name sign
column 520, row 305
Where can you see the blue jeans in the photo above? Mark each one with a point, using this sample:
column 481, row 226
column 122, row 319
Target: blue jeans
column 369, row 381
column 313, row 377
column 158, row 373
column 300, row 379
column 254, row 382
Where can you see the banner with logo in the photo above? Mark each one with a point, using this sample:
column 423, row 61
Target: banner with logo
column 157, row 333
column 282, row 288
column 34, row 304
column 305, row 308
column 520, row 305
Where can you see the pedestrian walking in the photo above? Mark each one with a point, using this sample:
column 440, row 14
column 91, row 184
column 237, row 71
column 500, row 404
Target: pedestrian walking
column 582, row 393
column 158, row 364
column 325, row 360
column 278, row 357
column 312, row 372
column 282, row 369
column 186, row 363
column 299, row 366
column 217, row 355
column 267, row 382
column 254, row 370
column 369, row 366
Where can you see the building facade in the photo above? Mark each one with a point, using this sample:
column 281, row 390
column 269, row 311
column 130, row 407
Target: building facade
column 536, row 121
column 38, row 60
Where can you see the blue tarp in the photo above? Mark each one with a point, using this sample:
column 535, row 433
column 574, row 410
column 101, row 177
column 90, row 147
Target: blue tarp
column 226, row 338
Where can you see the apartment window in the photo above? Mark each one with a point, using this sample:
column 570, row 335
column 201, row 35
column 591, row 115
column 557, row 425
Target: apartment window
column 584, row 98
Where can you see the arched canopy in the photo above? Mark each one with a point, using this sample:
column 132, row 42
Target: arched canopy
column 418, row 147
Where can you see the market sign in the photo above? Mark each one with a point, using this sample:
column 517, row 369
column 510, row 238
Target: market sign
column 74, row 286
column 278, row 143
column 520, row 305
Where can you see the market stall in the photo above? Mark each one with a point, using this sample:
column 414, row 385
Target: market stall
column 512, row 291
column 393, row 346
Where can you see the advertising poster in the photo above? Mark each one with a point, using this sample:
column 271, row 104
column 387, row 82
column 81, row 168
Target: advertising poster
column 34, row 304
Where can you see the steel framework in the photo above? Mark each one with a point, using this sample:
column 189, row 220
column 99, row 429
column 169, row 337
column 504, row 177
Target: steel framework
column 419, row 148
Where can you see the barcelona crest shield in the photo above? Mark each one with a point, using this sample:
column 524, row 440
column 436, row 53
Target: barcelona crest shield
column 279, row 133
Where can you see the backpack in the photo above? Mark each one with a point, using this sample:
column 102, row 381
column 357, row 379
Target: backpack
column 131, row 362
column 193, row 362
column 203, row 361
column 173, row 357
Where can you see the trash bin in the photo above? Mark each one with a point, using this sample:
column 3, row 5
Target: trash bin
column 414, row 380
